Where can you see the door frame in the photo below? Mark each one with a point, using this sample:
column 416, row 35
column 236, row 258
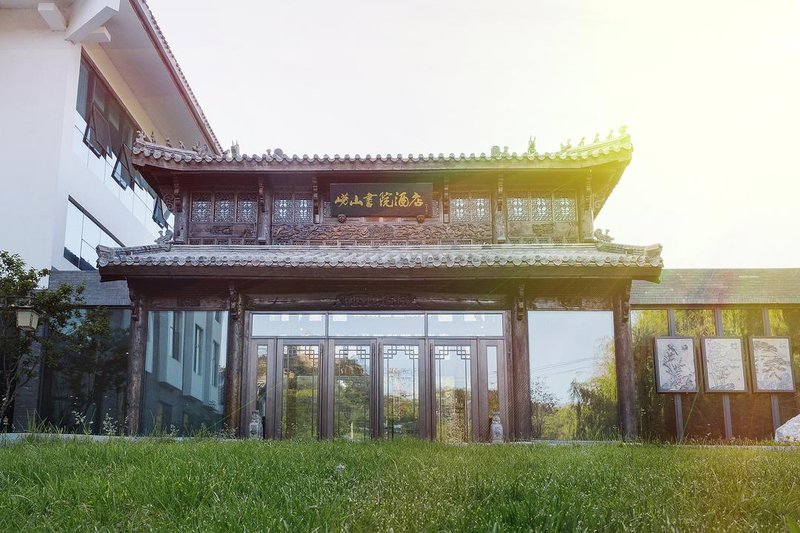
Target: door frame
column 321, row 376
column 432, row 379
column 380, row 384
column 330, row 381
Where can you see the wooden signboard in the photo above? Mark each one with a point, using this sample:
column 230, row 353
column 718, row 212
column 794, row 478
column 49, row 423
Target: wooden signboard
column 381, row 199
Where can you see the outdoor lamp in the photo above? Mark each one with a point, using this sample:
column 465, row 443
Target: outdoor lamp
column 27, row 318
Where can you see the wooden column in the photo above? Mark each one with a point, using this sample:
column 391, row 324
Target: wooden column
column 623, row 346
column 136, row 359
column 235, row 360
column 180, row 208
column 520, row 396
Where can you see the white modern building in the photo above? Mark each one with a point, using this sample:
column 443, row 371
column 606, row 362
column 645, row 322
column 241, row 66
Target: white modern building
column 81, row 78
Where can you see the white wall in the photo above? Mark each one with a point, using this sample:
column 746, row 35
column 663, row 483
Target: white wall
column 44, row 158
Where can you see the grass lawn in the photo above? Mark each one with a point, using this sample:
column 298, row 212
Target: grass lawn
column 207, row 485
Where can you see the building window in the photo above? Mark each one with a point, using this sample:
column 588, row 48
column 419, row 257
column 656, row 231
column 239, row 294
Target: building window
column 82, row 236
column 224, row 207
column 109, row 128
column 470, row 207
column 177, row 335
column 215, row 364
column 292, row 208
column 542, row 207
column 197, row 361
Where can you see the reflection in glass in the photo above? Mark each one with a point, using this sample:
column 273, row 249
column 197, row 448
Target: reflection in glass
column 694, row 323
column 786, row 323
column 376, row 325
column 573, row 374
column 288, row 325
column 351, row 392
column 300, row 383
column 751, row 414
column 465, row 325
column 657, row 412
column 184, row 391
column 400, row 390
column 453, row 400
column 493, row 380
column 88, row 381
column 262, row 354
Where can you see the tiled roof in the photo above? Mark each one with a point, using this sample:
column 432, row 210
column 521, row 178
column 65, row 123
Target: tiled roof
column 773, row 286
column 383, row 257
column 613, row 149
column 149, row 22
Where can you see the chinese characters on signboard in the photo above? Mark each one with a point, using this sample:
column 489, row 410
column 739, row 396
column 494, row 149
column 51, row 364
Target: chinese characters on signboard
column 381, row 199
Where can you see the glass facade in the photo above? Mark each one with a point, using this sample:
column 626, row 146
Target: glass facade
column 84, row 384
column 351, row 391
column 184, row 380
column 573, row 375
column 300, row 389
column 82, row 236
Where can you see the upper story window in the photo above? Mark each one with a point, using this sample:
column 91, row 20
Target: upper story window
column 109, row 133
column 292, row 208
column 82, row 236
column 224, row 207
column 109, row 127
column 470, row 207
column 542, row 207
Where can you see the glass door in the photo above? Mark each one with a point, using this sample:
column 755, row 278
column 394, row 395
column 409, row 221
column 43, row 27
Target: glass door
column 350, row 389
column 400, row 398
column 452, row 367
column 297, row 406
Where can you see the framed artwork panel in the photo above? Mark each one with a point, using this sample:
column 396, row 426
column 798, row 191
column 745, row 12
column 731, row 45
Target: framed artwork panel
column 675, row 365
column 772, row 364
column 723, row 364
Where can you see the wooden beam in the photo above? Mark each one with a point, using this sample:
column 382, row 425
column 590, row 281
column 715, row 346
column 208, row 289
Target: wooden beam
column 626, row 373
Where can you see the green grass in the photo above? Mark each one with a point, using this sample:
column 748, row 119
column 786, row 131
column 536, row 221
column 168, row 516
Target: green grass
column 205, row 485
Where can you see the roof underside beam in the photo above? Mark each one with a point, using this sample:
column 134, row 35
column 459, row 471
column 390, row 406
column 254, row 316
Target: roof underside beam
column 88, row 17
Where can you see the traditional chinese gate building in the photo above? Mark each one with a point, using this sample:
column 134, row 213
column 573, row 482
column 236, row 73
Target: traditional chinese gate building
column 368, row 296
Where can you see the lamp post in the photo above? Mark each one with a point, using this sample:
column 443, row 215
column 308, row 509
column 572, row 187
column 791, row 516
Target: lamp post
column 27, row 318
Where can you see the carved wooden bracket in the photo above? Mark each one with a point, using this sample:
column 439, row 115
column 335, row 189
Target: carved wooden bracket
column 519, row 302
column 315, row 199
column 177, row 204
column 233, row 302
column 500, row 194
column 446, row 200
column 261, row 202
column 136, row 304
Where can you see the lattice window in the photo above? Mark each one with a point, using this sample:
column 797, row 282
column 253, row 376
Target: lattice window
column 304, row 210
column 201, row 207
column 519, row 208
column 564, row 208
column 447, row 352
column 288, row 208
column 542, row 208
column 224, row 207
column 480, row 209
column 471, row 207
column 390, row 351
column 310, row 351
column 458, row 210
column 352, row 351
column 246, row 208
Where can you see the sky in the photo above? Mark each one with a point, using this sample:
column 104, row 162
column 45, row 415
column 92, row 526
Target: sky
column 708, row 89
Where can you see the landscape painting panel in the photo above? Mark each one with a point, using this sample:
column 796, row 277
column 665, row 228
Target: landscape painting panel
column 675, row 366
column 772, row 364
column 724, row 364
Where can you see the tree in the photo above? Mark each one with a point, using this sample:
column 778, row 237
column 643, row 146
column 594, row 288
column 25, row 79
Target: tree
column 543, row 404
column 23, row 352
